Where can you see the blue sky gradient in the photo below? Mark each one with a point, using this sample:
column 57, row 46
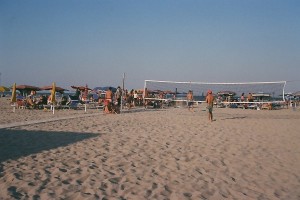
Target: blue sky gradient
column 78, row 42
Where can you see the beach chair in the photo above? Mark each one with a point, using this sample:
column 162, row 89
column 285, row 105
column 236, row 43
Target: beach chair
column 72, row 103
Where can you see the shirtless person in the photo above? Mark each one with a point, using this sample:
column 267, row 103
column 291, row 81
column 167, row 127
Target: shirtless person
column 190, row 99
column 210, row 103
column 108, row 99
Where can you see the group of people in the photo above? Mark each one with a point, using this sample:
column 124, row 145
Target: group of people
column 209, row 100
column 32, row 101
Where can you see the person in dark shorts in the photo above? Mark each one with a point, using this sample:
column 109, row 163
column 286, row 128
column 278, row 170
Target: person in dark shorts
column 210, row 102
column 190, row 99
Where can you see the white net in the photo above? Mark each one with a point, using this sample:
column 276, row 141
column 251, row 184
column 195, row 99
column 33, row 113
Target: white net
column 274, row 91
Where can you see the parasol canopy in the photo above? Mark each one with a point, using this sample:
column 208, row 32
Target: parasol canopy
column 58, row 89
column 4, row 89
column 27, row 88
column 113, row 89
column 296, row 94
column 81, row 88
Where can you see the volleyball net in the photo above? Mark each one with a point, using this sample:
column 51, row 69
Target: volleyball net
column 226, row 92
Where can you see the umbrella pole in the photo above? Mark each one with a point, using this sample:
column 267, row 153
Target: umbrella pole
column 85, row 107
column 14, row 108
column 53, row 109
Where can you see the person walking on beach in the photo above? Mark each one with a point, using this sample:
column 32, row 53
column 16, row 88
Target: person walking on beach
column 210, row 102
column 190, row 99
column 108, row 100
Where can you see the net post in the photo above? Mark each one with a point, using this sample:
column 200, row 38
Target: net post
column 283, row 91
column 145, row 85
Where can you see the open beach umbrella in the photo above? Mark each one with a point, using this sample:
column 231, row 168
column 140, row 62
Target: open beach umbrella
column 113, row 89
column 4, row 89
column 296, row 94
column 81, row 88
column 27, row 89
column 57, row 89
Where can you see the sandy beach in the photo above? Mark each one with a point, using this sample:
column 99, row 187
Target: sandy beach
column 149, row 154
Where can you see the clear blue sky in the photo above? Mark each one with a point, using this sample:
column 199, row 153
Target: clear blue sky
column 78, row 42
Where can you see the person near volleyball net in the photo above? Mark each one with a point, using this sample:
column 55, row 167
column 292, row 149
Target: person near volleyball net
column 210, row 102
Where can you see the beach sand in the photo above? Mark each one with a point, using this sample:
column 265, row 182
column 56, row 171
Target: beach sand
column 150, row 154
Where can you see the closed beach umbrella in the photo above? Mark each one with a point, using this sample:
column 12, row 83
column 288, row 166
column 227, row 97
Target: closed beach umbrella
column 14, row 94
column 4, row 89
column 53, row 96
column 53, row 92
column 14, row 97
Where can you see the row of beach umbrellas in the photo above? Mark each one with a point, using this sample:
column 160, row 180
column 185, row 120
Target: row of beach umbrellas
column 26, row 87
column 32, row 88
column 58, row 89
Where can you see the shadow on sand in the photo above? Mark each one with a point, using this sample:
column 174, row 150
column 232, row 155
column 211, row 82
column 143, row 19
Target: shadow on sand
column 17, row 143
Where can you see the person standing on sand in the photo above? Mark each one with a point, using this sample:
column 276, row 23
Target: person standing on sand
column 190, row 99
column 108, row 100
column 210, row 102
column 250, row 97
column 118, row 95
